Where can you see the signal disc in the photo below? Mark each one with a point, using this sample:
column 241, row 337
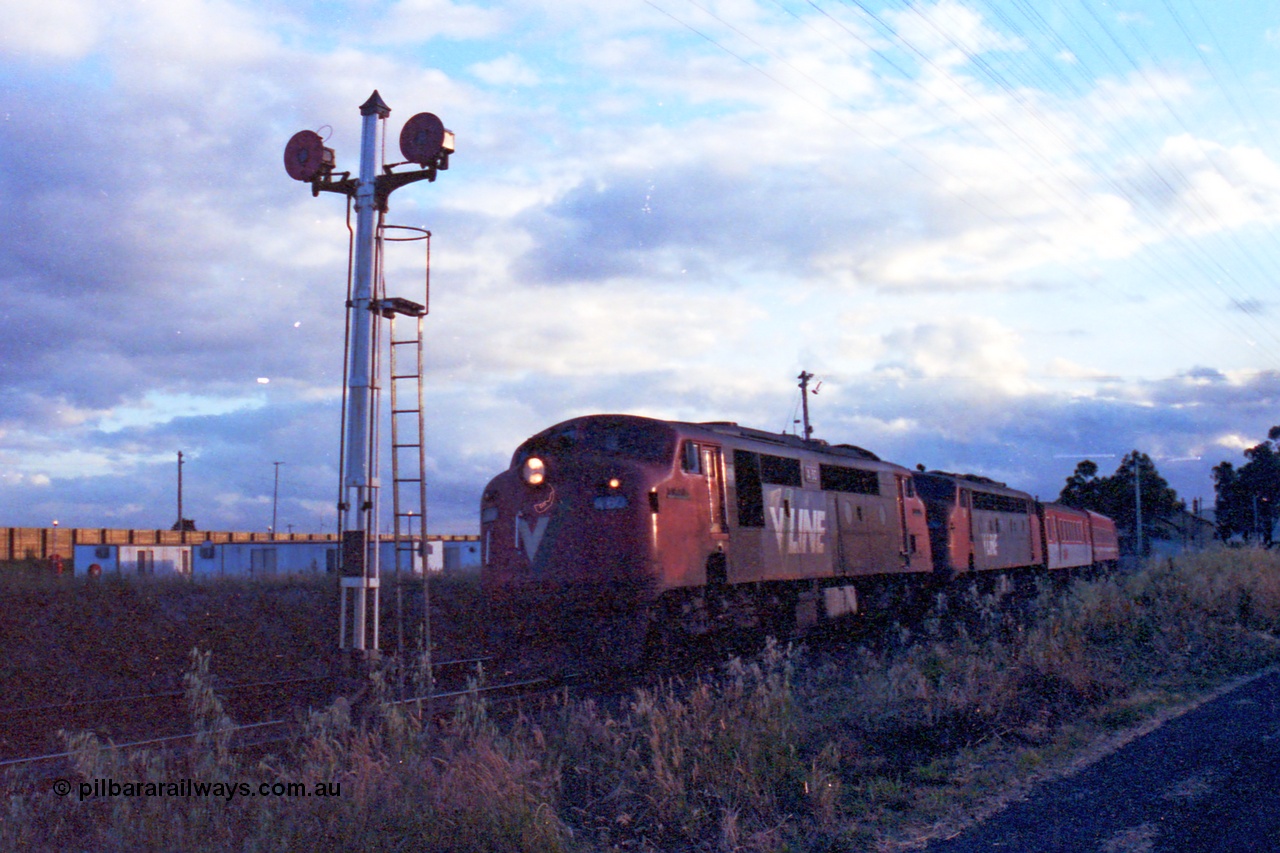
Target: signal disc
column 304, row 155
column 422, row 139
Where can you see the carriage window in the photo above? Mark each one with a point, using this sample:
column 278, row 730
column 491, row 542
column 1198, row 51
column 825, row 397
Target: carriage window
column 836, row 478
column 779, row 470
column 746, row 477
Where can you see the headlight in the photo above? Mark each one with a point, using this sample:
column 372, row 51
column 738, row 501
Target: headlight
column 534, row 471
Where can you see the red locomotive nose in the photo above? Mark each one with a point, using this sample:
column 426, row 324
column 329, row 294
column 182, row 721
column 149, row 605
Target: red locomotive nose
column 567, row 521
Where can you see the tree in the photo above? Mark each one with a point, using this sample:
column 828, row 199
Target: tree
column 1117, row 497
column 1082, row 488
column 1229, row 518
column 1158, row 500
column 1248, row 497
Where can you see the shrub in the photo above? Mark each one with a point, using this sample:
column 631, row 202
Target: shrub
column 761, row 756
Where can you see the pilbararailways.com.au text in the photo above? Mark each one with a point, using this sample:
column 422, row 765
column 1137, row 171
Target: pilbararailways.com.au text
column 192, row 788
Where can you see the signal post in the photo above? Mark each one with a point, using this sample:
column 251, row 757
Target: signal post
column 426, row 143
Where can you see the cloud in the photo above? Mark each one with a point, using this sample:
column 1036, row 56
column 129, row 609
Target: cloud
column 976, row 351
column 1205, row 375
column 1130, row 18
column 636, row 220
column 1253, row 389
column 424, row 20
column 1238, row 443
column 508, row 70
column 1066, row 369
column 53, row 31
column 949, row 33
column 1204, row 186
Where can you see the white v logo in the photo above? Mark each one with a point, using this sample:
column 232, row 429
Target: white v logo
column 530, row 538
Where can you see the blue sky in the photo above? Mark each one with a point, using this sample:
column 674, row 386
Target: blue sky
column 1004, row 235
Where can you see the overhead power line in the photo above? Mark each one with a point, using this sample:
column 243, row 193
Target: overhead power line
column 1056, row 56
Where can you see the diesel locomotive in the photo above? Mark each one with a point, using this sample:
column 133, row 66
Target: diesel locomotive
column 620, row 531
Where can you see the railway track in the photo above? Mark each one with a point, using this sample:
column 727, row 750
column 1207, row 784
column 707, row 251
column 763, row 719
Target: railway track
column 276, row 709
column 148, row 717
column 162, row 720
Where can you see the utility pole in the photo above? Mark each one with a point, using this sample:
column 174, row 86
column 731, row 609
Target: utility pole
column 1137, row 499
column 804, row 401
column 275, row 500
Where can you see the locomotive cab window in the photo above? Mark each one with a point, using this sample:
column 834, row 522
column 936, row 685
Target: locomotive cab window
column 691, row 458
column 746, row 472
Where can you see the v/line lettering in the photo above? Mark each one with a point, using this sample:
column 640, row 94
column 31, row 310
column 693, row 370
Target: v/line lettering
column 799, row 531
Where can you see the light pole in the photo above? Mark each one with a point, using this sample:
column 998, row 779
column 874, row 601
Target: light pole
column 804, row 378
column 1262, row 522
column 180, row 526
column 1137, row 501
column 275, row 501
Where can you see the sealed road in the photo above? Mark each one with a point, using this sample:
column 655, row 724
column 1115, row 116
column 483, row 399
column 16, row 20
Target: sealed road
column 1208, row 780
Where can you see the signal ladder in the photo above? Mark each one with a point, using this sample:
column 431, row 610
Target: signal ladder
column 408, row 459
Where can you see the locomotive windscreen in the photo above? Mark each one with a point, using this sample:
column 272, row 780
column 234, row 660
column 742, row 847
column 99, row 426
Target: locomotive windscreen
column 644, row 441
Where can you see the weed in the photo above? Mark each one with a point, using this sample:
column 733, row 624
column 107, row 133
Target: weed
column 762, row 756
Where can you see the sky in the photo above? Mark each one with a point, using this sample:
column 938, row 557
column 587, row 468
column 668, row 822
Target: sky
column 1004, row 236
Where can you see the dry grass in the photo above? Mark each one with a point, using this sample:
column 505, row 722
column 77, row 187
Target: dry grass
column 865, row 749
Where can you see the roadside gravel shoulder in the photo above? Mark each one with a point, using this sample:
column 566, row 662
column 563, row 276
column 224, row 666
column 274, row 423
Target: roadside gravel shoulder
column 1188, row 777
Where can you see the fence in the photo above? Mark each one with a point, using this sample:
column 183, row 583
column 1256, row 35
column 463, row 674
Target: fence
column 40, row 543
